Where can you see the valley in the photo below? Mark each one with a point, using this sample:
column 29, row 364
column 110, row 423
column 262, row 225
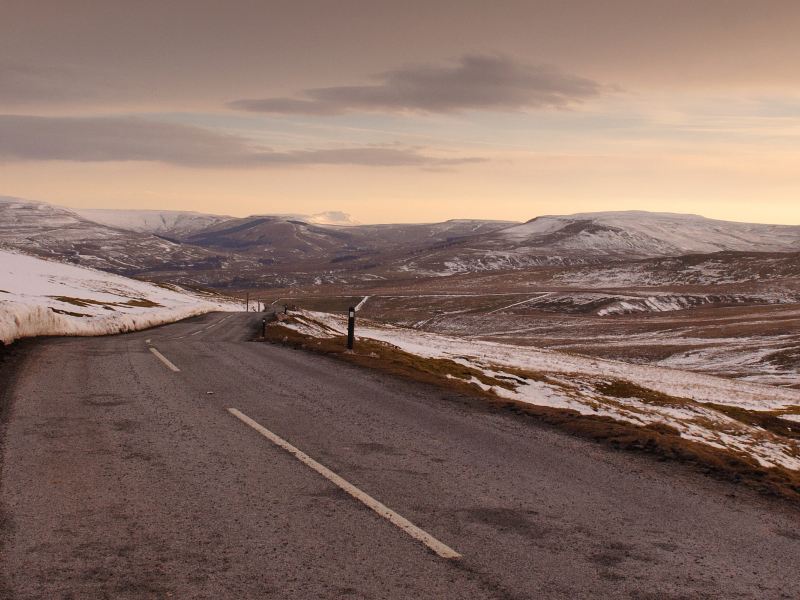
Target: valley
column 677, row 291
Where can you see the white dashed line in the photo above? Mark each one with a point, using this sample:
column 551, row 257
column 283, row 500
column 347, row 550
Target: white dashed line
column 415, row 532
column 164, row 360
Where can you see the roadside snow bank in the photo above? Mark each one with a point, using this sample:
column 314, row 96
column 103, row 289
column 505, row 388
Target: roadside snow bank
column 39, row 297
column 639, row 394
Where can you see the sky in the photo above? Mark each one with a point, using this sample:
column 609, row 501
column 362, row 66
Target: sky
column 404, row 111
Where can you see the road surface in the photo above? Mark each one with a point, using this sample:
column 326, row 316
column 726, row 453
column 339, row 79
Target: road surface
column 125, row 475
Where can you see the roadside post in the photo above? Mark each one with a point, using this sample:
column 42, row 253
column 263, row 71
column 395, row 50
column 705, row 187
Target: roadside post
column 263, row 328
column 351, row 327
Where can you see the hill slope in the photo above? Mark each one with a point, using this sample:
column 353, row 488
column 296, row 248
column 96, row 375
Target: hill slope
column 52, row 232
column 590, row 238
column 40, row 297
column 166, row 223
column 284, row 251
column 645, row 234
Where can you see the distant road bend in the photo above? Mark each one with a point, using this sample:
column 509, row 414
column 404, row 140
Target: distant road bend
column 187, row 462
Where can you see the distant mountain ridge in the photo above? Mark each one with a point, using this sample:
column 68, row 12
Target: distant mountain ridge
column 653, row 234
column 179, row 223
column 57, row 233
column 586, row 238
column 288, row 250
column 168, row 223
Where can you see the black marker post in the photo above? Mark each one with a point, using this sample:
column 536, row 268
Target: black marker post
column 351, row 327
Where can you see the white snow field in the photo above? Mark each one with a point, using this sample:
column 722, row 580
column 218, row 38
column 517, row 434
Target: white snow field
column 40, row 297
column 560, row 380
column 654, row 234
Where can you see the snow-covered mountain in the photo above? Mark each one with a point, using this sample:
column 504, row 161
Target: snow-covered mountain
column 179, row 224
column 296, row 244
column 229, row 252
column 591, row 238
column 41, row 297
column 220, row 251
column 167, row 223
column 643, row 234
column 52, row 232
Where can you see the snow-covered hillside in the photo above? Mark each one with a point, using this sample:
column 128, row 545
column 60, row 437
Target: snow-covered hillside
column 173, row 223
column 57, row 233
column 639, row 394
column 39, row 297
column 179, row 224
column 637, row 233
column 595, row 238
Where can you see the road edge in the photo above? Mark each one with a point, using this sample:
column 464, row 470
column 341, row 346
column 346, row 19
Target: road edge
column 659, row 443
column 12, row 357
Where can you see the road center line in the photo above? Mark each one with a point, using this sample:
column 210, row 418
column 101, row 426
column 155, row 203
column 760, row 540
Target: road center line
column 415, row 532
column 164, row 360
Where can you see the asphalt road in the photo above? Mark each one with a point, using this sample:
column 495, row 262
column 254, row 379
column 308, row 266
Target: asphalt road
column 123, row 478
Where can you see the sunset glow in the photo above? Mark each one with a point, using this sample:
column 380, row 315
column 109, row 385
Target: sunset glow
column 404, row 112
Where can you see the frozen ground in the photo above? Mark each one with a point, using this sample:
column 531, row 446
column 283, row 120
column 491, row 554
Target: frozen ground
column 640, row 394
column 39, row 297
column 750, row 335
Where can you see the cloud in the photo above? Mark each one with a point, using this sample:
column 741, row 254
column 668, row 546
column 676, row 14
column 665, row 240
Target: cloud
column 475, row 82
column 103, row 139
column 22, row 84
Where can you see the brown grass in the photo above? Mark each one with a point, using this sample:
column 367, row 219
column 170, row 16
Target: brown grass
column 388, row 358
column 84, row 302
column 764, row 419
column 142, row 303
column 619, row 388
column 659, row 440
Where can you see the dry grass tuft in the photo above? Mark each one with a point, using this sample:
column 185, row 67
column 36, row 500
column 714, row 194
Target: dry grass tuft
column 84, row 302
column 764, row 419
column 618, row 388
column 142, row 303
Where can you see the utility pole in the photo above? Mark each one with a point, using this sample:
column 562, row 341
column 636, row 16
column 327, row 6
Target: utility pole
column 247, row 302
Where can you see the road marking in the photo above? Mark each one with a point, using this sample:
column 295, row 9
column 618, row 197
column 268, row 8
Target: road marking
column 215, row 323
column 415, row 532
column 164, row 360
column 196, row 332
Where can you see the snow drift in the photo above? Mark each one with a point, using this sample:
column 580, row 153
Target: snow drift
column 39, row 297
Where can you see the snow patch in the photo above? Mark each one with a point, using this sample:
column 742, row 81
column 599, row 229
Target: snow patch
column 549, row 378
